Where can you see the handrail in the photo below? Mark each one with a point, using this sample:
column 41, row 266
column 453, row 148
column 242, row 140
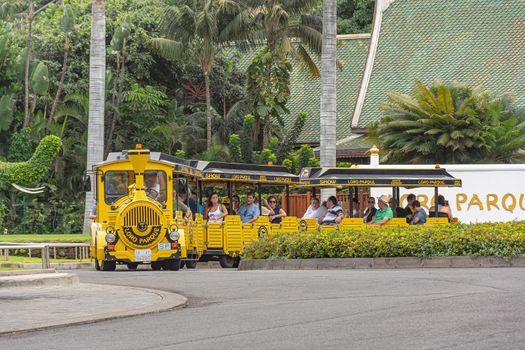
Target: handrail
column 44, row 247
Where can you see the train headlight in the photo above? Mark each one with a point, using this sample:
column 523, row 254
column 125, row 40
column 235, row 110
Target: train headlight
column 111, row 238
column 174, row 235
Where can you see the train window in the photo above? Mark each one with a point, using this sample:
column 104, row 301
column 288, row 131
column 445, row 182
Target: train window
column 155, row 185
column 116, row 184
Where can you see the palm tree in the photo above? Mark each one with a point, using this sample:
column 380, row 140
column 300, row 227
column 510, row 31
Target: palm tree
column 197, row 28
column 328, row 88
column 442, row 123
column 508, row 128
column 97, row 71
column 282, row 26
column 286, row 32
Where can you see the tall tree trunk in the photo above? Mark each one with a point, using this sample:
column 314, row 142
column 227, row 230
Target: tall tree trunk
column 62, row 77
column 97, row 71
column 208, row 109
column 30, row 16
column 121, row 67
column 266, row 131
column 328, row 89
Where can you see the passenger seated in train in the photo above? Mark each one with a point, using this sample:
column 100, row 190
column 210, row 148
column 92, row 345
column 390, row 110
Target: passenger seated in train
column 420, row 215
column 178, row 205
column 265, row 209
column 334, row 213
column 315, row 210
column 409, row 209
column 384, row 213
column 370, row 211
column 236, row 202
column 215, row 210
column 276, row 212
column 152, row 185
column 443, row 209
column 249, row 212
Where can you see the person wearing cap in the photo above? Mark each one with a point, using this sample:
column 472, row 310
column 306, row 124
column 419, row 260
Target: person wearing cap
column 384, row 213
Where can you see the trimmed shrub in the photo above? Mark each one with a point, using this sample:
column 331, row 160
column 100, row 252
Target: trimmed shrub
column 488, row 239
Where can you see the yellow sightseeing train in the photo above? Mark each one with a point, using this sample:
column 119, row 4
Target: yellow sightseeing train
column 139, row 218
column 140, row 197
column 134, row 212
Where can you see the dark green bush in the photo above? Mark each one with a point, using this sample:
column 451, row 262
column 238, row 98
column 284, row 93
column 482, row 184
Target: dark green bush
column 489, row 239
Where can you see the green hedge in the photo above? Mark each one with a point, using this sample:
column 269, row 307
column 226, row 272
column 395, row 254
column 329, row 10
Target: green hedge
column 491, row 239
column 35, row 169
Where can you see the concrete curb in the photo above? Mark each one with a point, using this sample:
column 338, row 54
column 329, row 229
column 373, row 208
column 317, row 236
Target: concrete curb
column 25, row 272
column 56, row 266
column 169, row 301
column 39, row 280
column 382, row 263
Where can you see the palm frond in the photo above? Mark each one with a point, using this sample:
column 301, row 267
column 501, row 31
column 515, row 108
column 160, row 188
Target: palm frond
column 297, row 7
column 168, row 49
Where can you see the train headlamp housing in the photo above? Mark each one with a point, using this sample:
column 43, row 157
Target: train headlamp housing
column 174, row 235
column 111, row 237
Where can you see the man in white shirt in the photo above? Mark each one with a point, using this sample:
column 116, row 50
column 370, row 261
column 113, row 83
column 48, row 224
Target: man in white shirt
column 152, row 185
column 315, row 210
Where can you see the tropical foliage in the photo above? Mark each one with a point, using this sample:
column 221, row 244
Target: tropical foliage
column 489, row 239
column 450, row 123
column 353, row 16
column 156, row 91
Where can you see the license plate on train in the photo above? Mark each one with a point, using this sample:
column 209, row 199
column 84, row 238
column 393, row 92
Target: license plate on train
column 143, row 255
column 164, row 246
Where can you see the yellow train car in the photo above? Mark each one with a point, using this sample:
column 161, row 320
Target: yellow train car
column 351, row 179
column 225, row 240
column 135, row 221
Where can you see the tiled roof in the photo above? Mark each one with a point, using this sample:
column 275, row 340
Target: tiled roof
column 306, row 91
column 477, row 42
column 359, row 142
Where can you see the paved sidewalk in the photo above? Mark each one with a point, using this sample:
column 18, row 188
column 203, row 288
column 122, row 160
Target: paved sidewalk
column 31, row 308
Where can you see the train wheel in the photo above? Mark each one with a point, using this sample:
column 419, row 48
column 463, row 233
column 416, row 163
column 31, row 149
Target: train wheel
column 226, row 261
column 172, row 264
column 97, row 265
column 132, row 266
column 156, row 265
column 108, row 265
column 182, row 264
column 191, row 264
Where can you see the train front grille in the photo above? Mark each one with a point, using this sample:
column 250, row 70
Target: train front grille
column 142, row 214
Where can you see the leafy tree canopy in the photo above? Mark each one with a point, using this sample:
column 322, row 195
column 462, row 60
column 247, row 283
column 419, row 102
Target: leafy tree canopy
column 450, row 123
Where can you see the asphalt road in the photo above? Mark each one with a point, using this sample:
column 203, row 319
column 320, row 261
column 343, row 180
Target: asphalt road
column 353, row 309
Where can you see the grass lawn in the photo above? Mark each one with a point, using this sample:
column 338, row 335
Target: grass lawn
column 55, row 238
column 12, row 268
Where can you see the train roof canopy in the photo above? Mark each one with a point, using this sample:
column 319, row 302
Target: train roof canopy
column 179, row 165
column 377, row 177
column 238, row 172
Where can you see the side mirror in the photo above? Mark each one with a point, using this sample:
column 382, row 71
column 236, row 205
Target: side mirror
column 86, row 183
